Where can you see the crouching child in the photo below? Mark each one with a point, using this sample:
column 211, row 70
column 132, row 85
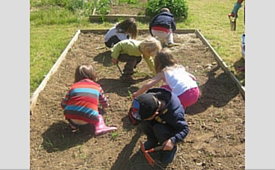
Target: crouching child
column 82, row 100
column 161, row 117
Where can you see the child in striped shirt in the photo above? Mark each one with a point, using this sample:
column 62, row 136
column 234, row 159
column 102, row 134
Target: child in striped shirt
column 82, row 100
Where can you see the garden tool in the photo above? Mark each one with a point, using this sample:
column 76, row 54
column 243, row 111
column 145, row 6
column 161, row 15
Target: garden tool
column 101, row 128
column 119, row 69
column 232, row 20
column 146, row 153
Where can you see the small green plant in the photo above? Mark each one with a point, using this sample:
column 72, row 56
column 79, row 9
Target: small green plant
column 201, row 123
column 210, row 157
column 130, row 94
column 103, row 7
column 114, row 135
column 80, row 152
column 49, row 142
column 178, row 8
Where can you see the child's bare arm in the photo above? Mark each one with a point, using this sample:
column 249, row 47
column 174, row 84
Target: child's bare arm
column 149, row 84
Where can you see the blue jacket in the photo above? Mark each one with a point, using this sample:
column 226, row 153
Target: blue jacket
column 172, row 115
column 164, row 19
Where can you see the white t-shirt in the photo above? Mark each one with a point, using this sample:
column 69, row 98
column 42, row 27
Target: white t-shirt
column 179, row 79
column 112, row 32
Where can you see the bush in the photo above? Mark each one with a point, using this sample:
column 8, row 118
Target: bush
column 178, row 8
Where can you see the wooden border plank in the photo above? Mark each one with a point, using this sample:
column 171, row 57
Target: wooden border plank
column 35, row 95
column 222, row 64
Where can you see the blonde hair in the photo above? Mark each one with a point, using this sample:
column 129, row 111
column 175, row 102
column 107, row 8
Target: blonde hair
column 150, row 46
column 163, row 59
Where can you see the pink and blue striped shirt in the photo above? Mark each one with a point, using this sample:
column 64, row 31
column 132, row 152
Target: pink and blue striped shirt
column 82, row 101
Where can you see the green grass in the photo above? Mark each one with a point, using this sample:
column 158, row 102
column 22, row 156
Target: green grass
column 53, row 27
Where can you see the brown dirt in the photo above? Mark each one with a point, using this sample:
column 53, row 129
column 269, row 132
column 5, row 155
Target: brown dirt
column 217, row 121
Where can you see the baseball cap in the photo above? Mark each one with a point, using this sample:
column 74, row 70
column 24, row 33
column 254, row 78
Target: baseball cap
column 143, row 107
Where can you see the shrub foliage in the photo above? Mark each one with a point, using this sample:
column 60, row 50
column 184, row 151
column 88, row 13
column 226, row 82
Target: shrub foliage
column 178, row 8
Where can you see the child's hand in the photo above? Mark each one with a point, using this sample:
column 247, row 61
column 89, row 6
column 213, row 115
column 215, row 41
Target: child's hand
column 168, row 145
column 134, row 95
column 114, row 61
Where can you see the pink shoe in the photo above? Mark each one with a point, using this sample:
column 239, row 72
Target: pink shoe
column 101, row 128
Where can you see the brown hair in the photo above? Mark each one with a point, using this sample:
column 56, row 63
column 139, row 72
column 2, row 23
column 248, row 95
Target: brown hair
column 163, row 59
column 84, row 71
column 164, row 10
column 128, row 26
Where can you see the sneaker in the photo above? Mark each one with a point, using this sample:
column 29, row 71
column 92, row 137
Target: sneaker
column 168, row 156
column 173, row 44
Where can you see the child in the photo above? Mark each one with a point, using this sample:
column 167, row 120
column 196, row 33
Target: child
column 81, row 102
column 234, row 13
column 177, row 80
column 162, row 27
column 237, row 6
column 124, row 30
column 162, row 119
column 131, row 52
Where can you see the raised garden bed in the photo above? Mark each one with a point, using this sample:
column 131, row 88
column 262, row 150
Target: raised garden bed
column 217, row 136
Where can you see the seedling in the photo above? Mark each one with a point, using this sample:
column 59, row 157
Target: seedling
column 114, row 135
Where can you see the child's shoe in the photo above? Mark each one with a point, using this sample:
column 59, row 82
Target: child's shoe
column 168, row 156
column 173, row 44
column 127, row 78
column 101, row 128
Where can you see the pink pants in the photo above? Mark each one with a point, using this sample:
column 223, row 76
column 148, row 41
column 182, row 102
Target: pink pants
column 187, row 98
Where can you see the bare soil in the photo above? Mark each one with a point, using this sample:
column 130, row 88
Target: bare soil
column 217, row 121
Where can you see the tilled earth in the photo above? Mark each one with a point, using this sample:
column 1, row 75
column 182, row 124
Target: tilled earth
column 217, row 121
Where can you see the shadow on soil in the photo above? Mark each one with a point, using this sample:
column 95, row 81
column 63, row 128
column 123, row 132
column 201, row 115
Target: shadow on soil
column 220, row 86
column 58, row 136
column 119, row 87
column 104, row 58
column 126, row 123
column 137, row 161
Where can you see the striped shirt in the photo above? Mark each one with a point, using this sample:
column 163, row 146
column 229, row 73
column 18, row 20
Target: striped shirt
column 82, row 101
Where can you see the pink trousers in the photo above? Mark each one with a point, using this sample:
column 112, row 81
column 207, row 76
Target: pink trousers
column 187, row 98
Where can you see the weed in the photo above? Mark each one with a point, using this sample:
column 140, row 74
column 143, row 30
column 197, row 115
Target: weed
column 210, row 157
column 114, row 135
column 80, row 152
column 217, row 120
column 49, row 142
column 201, row 123
column 130, row 94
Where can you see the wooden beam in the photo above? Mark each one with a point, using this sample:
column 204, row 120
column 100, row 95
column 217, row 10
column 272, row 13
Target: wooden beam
column 35, row 95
